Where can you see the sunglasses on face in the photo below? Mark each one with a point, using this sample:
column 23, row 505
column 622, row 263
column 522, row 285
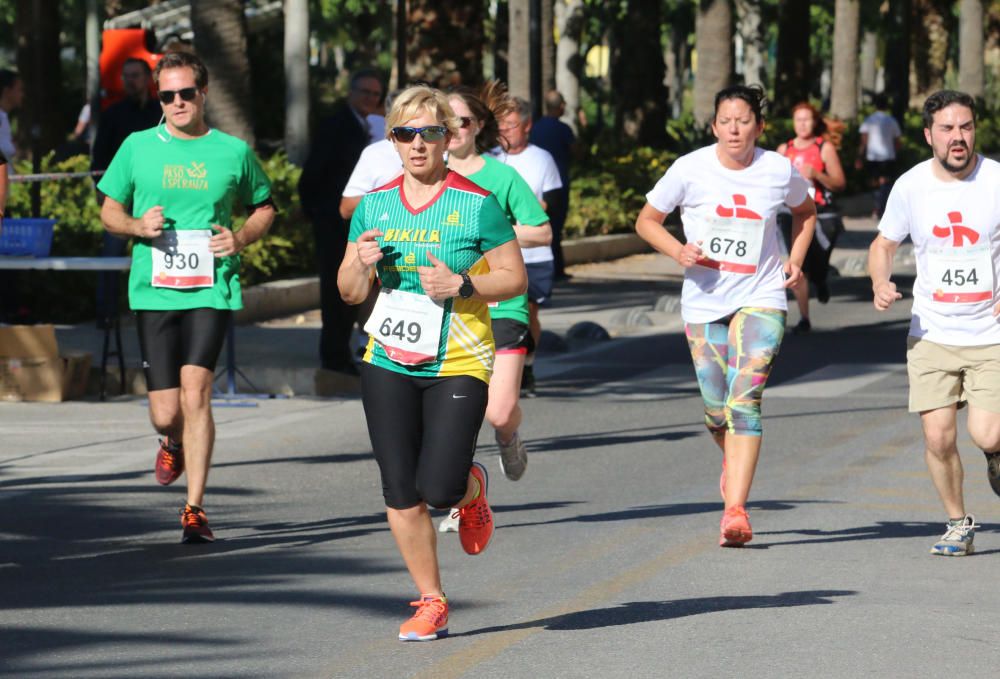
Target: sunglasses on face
column 187, row 94
column 428, row 133
column 466, row 122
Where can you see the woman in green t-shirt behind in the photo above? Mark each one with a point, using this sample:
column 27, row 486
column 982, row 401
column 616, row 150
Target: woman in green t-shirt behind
column 479, row 132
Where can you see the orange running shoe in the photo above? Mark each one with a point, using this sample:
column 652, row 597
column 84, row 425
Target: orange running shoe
column 429, row 622
column 475, row 520
column 735, row 527
column 195, row 525
column 169, row 461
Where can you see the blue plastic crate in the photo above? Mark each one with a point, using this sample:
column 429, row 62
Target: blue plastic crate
column 32, row 237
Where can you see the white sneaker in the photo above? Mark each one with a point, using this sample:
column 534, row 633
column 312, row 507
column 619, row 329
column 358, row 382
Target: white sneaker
column 449, row 524
column 958, row 539
column 513, row 457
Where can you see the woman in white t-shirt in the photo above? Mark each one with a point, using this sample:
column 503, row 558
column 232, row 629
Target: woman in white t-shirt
column 733, row 299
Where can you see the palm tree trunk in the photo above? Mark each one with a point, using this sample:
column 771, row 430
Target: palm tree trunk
column 297, row 80
column 844, row 97
column 714, row 45
column 220, row 36
column 519, row 49
column 569, row 61
column 446, row 41
column 970, row 43
column 750, row 30
column 641, row 96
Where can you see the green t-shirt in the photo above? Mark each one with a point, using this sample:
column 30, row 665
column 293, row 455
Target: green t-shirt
column 518, row 201
column 196, row 182
column 458, row 226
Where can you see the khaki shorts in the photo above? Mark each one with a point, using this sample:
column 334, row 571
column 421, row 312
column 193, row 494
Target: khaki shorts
column 943, row 374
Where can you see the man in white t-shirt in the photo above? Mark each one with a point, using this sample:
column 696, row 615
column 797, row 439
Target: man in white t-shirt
column 537, row 167
column 949, row 206
column 880, row 140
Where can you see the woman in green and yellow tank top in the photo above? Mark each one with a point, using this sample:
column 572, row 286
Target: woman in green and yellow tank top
column 442, row 250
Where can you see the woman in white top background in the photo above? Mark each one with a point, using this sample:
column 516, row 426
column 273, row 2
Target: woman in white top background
column 734, row 296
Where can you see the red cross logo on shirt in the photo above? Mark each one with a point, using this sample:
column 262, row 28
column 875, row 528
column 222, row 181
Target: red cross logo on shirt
column 957, row 231
column 740, row 210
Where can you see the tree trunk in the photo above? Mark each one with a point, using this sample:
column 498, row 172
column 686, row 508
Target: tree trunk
column 547, row 19
column 750, row 29
column 297, row 80
column 93, row 41
column 446, row 41
column 519, row 48
column 714, row 47
column 220, row 37
column 869, row 57
column 680, row 24
column 792, row 79
column 929, row 48
column 970, row 43
column 897, row 59
column 641, row 96
column 844, row 95
column 40, row 127
column 569, row 61
column 399, row 77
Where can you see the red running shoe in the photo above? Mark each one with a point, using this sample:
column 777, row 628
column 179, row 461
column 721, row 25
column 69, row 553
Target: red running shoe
column 169, row 461
column 475, row 520
column 735, row 527
column 195, row 525
column 429, row 622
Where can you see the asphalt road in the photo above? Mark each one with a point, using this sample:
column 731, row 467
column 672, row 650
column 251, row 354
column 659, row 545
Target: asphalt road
column 605, row 562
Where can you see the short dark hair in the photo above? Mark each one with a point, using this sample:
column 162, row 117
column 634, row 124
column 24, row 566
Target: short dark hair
column 943, row 99
column 363, row 74
column 183, row 60
column 7, row 79
column 881, row 101
column 138, row 62
column 753, row 95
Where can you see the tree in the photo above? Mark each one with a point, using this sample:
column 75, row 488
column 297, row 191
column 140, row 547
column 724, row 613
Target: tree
column 220, row 36
column 897, row 56
column 750, row 29
column 714, row 48
column 930, row 29
column 296, row 80
column 970, row 45
column 844, row 97
column 569, row 61
column 446, row 39
column 519, row 48
column 677, row 54
column 792, row 78
column 637, row 73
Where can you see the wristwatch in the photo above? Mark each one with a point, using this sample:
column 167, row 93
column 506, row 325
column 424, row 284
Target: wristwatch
column 465, row 290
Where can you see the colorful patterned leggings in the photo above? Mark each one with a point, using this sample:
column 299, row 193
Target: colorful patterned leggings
column 732, row 359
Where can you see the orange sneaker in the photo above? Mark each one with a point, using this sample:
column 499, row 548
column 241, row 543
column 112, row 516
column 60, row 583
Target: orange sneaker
column 429, row 622
column 169, row 461
column 475, row 520
column 735, row 527
column 195, row 525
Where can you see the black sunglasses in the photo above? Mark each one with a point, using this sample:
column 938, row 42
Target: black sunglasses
column 187, row 94
column 428, row 133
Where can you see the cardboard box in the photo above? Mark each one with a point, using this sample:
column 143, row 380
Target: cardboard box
column 31, row 368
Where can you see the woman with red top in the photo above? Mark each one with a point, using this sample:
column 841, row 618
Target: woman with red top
column 816, row 159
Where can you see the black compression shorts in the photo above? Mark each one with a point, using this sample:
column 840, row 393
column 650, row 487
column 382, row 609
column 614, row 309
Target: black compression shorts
column 171, row 339
column 423, row 432
column 512, row 336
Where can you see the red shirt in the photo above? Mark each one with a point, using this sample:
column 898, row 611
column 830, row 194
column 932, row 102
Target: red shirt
column 813, row 157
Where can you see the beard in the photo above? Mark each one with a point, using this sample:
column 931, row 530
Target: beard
column 955, row 168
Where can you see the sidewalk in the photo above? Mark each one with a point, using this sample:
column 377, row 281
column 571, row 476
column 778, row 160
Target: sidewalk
column 624, row 296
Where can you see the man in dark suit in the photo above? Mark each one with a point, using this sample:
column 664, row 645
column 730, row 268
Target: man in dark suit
column 335, row 149
column 136, row 112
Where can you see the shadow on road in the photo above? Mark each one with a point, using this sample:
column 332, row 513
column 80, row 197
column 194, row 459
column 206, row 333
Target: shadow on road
column 636, row 612
column 878, row 531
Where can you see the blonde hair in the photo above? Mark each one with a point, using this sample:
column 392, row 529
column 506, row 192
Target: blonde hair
column 418, row 99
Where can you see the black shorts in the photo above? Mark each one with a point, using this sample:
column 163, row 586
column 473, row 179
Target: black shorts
column 512, row 336
column 171, row 339
column 540, row 276
column 423, row 432
column 880, row 168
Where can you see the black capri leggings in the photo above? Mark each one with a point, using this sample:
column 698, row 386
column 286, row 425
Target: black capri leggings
column 171, row 339
column 423, row 432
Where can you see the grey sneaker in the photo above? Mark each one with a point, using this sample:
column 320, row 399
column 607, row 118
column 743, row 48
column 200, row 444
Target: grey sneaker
column 993, row 470
column 449, row 524
column 957, row 540
column 513, row 457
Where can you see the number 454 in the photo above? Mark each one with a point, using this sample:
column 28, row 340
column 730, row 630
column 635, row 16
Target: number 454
column 959, row 277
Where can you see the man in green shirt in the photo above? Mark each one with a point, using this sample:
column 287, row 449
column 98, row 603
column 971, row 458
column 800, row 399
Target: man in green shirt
column 172, row 188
